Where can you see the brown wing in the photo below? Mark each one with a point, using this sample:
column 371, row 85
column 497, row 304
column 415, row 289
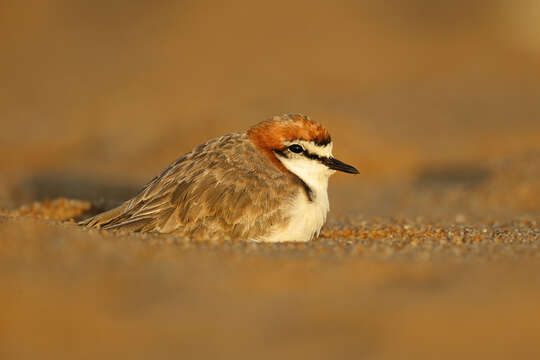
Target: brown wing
column 220, row 189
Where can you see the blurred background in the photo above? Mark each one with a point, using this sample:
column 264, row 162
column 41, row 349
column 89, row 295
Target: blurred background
column 435, row 102
column 97, row 97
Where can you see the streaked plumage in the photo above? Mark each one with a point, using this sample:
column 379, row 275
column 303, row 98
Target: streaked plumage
column 238, row 186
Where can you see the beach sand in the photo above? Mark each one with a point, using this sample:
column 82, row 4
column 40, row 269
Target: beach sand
column 432, row 252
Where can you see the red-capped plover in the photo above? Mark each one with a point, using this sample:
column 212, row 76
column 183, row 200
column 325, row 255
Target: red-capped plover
column 268, row 183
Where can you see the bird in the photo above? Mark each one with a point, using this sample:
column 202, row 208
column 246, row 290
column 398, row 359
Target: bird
column 265, row 184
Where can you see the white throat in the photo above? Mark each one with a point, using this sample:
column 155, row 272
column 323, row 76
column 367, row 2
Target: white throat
column 312, row 172
column 307, row 214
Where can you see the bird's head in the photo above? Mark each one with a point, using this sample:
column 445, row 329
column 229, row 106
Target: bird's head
column 300, row 145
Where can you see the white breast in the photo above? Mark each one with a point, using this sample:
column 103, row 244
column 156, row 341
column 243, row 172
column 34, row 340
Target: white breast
column 305, row 217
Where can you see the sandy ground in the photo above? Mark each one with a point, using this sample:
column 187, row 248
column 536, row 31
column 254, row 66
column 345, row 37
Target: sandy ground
column 431, row 252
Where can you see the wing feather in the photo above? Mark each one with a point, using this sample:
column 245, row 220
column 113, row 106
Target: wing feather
column 221, row 188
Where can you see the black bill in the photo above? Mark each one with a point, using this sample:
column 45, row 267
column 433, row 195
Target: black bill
column 335, row 164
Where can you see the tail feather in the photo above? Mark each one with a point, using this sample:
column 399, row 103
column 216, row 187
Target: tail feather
column 104, row 219
column 121, row 219
column 134, row 225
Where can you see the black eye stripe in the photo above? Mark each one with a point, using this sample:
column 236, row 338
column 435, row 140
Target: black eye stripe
column 283, row 153
column 312, row 156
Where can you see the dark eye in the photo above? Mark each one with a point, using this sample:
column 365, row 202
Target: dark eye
column 295, row 148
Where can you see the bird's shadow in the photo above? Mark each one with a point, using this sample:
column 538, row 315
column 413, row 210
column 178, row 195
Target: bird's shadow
column 102, row 194
column 468, row 176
